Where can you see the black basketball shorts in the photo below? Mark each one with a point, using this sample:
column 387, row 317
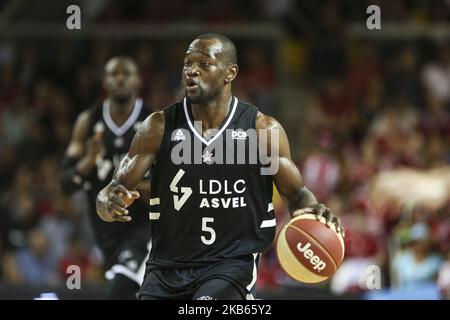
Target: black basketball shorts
column 231, row 279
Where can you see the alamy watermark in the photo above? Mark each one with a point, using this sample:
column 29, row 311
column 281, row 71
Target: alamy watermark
column 374, row 20
column 73, row 21
column 242, row 147
column 74, row 279
column 371, row 280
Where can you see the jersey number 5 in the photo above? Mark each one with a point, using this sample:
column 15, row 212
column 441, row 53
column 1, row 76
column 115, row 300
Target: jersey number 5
column 210, row 230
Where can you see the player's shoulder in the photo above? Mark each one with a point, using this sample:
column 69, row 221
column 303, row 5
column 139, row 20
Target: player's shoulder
column 90, row 114
column 95, row 109
column 174, row 114
column 151, row 132
column 245, row 106
column 87, row 116
column 177, row 106
column 84, row 117
column 264, row 121
column 83, row 123
column 146, row 109
column 153, row 125
column 165, row 113
column 154, row 119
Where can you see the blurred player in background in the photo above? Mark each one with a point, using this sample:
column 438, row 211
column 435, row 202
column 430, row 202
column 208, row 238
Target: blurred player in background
column 101, row 136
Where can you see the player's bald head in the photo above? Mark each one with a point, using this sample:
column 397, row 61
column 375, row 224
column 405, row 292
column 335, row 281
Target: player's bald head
column 227, row 47
column 125, row 61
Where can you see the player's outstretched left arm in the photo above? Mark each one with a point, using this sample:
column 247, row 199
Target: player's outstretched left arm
column 288, row 179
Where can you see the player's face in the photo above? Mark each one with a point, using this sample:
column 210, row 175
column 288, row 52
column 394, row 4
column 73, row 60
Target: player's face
column 121, row 80
column 204, row 70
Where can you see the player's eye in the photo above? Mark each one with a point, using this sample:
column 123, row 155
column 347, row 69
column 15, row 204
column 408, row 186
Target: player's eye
column 206, row 64
column 187, row 63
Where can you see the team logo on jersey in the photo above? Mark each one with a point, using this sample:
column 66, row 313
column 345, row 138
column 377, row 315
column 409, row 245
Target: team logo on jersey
column 238, row 135
column 179, row 136
column 214, row 193
column 186, row 191
column 118, row 142
column 207, row 156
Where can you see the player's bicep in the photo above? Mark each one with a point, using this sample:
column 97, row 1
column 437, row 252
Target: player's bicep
column 287, row 177
column 142, row 153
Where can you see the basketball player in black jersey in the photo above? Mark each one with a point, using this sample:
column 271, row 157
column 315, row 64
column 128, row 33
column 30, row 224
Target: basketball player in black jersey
column 211, row 212
column 100, row 138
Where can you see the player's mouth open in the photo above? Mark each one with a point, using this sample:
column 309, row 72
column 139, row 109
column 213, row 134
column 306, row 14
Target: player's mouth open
column 191, row 84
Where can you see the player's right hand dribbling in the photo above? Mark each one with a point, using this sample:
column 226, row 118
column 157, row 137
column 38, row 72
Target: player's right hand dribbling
column 112, row 203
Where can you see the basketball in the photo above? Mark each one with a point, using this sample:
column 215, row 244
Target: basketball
column 308, row 250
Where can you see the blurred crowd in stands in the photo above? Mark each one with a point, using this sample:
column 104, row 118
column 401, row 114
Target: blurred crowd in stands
column 375, row 147
column 371, row 138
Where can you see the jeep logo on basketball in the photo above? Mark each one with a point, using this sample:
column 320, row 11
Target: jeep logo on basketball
column 318, row 263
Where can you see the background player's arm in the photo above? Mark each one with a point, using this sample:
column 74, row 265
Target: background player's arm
column 80, row 156
column 113, row 200
column 288, row 179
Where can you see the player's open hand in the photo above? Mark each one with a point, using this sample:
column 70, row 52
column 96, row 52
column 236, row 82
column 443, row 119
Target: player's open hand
column 321, row 210
column 112, row 203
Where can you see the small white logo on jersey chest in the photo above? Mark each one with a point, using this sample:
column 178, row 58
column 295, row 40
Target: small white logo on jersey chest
column 238, row 135
column 118, row 142
column 179, row 136
column 207, row 156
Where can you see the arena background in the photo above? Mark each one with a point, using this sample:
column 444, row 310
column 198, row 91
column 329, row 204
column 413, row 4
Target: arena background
column 366, row 112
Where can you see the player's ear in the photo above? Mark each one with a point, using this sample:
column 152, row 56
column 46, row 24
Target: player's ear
column 232, row 71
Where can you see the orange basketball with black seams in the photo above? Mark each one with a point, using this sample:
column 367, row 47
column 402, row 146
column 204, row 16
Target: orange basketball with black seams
column 308, row 250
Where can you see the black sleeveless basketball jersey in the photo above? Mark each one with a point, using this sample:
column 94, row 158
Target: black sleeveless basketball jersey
column 210, row 206
column 117, row 141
